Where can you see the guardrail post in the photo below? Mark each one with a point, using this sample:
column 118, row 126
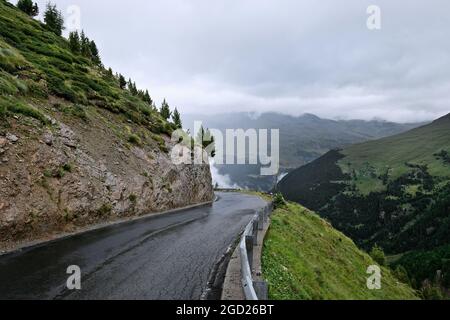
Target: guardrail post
column 266, row 214
column 261, row 220
column 249, row 246
column 255, row 232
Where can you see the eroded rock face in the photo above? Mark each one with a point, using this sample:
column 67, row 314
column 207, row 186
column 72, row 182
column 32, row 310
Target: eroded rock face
column 75, row 175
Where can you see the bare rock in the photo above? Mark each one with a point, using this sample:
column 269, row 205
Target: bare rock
column 51, row 120
column 12, row 138
column 48, row 138
column 68, row 136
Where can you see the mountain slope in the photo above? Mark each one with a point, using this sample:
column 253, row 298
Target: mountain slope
column 75, row 148
column 394, row 191
column 302, row 139
column 305, row 258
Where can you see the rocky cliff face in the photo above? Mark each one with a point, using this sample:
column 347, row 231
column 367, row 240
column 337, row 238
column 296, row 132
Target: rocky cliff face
column 74, row 173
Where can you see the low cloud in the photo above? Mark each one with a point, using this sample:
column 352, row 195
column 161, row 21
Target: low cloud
column 220, row 180
column 287, row 56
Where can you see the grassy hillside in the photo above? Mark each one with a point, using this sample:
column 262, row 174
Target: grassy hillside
column 305, row 258
column 37, row 65
column 394, row 192
column 374, row 163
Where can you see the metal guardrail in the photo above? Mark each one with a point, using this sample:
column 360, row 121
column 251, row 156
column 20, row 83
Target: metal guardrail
column 248, row 241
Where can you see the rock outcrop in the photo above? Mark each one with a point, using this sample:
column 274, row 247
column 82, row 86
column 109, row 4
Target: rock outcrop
column 62, row 177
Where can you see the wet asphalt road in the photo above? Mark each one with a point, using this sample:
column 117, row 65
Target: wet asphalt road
column 166, row 257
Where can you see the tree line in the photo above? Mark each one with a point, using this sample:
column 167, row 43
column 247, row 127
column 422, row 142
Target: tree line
column 80, row 44
column 53, row 18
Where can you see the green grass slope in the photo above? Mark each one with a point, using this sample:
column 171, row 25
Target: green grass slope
column 390, row 158
column 305, row 258
column 37, row 66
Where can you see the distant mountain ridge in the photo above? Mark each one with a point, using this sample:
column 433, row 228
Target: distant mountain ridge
column 302, row 139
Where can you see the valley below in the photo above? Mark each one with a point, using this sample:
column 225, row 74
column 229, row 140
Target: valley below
column 393, row 193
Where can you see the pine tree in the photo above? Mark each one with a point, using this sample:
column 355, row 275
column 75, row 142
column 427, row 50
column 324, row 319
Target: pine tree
column 35, row 10
column 74, row 42
column 206, row 140
column 165, row 110
column 176, row 118
column 132, row 87
column 94, row 52
column 85, row 45
column 122, row 82
column 147, row 98
column 200, row 136
column 53, row 19
column 28, row 7
column 210, row 143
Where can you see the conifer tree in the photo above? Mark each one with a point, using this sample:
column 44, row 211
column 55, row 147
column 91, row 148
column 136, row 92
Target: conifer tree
column 28, row 7
column 165, row 110
column 176, row 118
column 53, row 19
column 200, row 136
column 132, row 88
column 122, row 82
column 95, row 55
column 206, row 140
column 85, row 45
column 35, row 10
column 147, row 98
column 74, row 42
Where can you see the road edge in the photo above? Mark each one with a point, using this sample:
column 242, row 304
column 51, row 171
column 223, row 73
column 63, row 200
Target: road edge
column 233, row 287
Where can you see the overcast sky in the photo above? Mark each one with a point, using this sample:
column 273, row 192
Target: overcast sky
column 215, row 56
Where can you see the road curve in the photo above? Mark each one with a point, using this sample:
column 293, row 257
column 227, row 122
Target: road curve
column 164, row 257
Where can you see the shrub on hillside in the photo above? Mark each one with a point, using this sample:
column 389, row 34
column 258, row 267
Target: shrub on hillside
column 278, row 201
column 401, row 274
column 378, row 255
column 134, row 139
column 15, row 107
